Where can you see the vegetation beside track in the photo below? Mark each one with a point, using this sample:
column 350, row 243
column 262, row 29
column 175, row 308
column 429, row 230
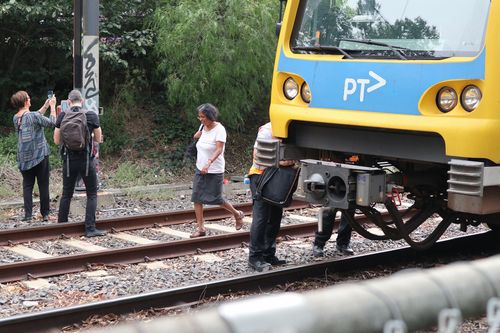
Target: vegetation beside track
column 147, row 88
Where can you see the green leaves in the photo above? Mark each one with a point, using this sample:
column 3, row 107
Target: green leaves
column 37, row 53
column 217, row 51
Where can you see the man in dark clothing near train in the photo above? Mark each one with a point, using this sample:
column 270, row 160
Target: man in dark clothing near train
column 343, row 236
column 78, row 162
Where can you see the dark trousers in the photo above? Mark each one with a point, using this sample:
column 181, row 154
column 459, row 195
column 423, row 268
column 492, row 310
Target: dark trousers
column 77, row 167
column 266, row 220
column 345, row 229
column 40, row 172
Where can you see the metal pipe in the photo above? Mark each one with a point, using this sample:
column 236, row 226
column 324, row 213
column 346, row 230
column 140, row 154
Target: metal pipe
column 414, row 296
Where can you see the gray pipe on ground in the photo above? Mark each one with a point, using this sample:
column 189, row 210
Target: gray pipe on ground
column 414, row 296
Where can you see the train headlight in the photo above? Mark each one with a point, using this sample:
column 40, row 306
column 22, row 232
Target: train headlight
column 446, row 99
column 290, row 88
column 305, row 92
column 470, row 98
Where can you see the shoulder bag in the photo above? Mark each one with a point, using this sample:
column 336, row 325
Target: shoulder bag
column 277, row 185
column 191, row 151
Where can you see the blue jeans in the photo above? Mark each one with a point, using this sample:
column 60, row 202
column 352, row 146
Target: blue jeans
column 77, row 165
column 266, row 220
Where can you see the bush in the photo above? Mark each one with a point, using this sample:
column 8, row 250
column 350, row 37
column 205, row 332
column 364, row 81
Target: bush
column 114, row 122
column 217, row 51
column 10, row 175
column 130, row 174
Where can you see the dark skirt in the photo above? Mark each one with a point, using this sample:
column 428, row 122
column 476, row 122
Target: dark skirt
column 207, row 188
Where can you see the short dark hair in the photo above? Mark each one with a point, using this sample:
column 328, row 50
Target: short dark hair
column 210, row 111
column 19, row 99
column 75, row 96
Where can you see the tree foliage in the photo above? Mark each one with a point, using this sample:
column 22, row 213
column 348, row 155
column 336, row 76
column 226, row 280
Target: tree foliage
column 158, row 57
column 36, row 48
column 218, row 51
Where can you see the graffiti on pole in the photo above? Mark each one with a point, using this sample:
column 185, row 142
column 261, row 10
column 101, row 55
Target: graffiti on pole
column 91, row 73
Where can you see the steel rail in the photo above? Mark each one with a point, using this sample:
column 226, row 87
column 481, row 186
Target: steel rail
column 14, row 236
column 39, row 268
column 57, row 318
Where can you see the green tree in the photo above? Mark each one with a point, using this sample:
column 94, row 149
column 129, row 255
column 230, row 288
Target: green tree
column 218, row 51
column 126, row 48
column 36, row 49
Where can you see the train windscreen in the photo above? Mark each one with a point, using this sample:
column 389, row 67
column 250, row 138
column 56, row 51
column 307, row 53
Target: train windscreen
column 413, row 28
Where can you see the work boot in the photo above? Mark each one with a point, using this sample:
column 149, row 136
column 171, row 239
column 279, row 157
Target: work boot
column 318, row 251
column 95, row 232
column 275, row 261
column 260, row 265
column 345, row 249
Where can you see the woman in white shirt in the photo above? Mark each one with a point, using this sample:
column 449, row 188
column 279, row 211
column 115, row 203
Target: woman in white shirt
column 209, row 176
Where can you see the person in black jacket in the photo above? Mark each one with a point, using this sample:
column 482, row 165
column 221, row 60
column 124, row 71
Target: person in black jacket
column 79, row 163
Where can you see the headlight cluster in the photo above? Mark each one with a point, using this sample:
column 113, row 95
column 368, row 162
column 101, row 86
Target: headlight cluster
column 447, row 98
column 291, row 90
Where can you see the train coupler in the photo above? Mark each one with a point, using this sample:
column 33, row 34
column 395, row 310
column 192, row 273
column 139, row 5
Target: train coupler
column 339, row 185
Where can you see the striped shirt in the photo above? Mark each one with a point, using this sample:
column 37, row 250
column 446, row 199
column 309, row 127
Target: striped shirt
column 32, row 146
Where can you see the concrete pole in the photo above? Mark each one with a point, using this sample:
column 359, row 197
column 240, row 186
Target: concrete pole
column 415, row 297
column 90, row 55
column 77, row 44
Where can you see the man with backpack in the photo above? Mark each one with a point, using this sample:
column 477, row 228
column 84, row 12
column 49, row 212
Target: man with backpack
column 73, row 133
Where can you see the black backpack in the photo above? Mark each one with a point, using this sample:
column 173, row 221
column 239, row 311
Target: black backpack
column 74, row 130
column 75, row 135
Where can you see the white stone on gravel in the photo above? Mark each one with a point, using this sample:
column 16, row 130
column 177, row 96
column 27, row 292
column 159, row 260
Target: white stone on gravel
column 38, row 284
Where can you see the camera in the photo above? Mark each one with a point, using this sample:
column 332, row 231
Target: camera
column 64, row 106
column 50, row 93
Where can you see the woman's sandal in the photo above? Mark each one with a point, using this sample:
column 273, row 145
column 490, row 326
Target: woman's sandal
column 239, row 220
column 198, row 233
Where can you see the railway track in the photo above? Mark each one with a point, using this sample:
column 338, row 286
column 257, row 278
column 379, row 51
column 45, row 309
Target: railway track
column 43, row 266
column 14, row 236
column 42, row 321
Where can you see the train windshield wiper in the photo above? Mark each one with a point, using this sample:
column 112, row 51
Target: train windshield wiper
column 394, row 48
column 323, row 49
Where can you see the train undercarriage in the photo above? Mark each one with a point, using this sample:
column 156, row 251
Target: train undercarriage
column 438, row 194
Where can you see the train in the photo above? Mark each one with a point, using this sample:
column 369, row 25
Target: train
column 377, row 98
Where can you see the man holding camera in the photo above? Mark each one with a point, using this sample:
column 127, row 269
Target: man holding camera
column 78, row 159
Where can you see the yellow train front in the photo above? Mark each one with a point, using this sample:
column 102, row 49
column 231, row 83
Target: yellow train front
column 378, row 95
